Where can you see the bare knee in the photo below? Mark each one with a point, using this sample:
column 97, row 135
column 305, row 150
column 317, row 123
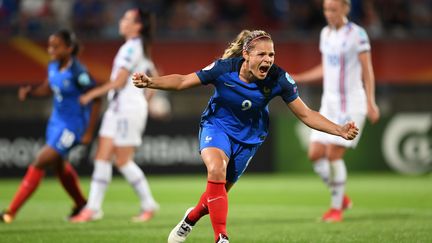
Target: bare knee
column 316, row 151
column 217, row 171
column 335, row 152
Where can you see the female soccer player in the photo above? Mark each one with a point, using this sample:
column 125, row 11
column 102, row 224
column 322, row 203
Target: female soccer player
column 235, row 122
column 124, row 120
column 349, row 94
column 70, row 122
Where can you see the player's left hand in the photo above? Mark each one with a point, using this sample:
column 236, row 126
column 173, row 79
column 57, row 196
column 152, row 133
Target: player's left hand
column 349, row 131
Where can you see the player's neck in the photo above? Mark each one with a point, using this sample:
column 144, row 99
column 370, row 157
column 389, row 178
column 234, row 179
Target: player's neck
column 65, row 63
column 245, row 75
column 341, row 24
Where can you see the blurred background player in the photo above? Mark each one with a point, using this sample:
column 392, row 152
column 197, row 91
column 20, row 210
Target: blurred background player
column 70, row 122
column 235, row 122
column 124, row 120
column 349, row 94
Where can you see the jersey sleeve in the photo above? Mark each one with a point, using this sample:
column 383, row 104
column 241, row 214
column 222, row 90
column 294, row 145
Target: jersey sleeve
column 210, row 73
column 362, row 41
column 85, row 81
column 289, row 88
column 129, row 56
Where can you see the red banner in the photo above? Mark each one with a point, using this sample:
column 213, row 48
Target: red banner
column 395, row 62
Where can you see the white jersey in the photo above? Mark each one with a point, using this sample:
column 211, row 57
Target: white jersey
column 131, row 57
column 343, row 85
column 344, row 97
column 126, row 116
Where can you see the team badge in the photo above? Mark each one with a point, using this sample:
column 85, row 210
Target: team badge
column 267, row 91
column 66, row 83
column 289, row 78
column 209, row 67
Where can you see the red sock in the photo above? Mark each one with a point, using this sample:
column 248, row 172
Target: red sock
column 28, row 185
column 70, row 182
column 217, row 203
column 199, row 210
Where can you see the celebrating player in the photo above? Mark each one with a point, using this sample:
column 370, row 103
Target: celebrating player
column 124, row 120
column 349, row 94
column 235, row 122
column 70, row 122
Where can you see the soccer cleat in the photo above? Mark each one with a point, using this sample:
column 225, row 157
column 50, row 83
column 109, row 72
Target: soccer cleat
column 6, row 217
column 180, row 232
column 346, row 203
column 332, row 216
column 222, row 239
column 144, row 216
column 87, row 215
column 75, row 211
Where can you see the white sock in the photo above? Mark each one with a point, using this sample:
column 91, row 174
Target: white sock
column 322, row 168
column 102, row 174
column 138, row 181
column 337, row 185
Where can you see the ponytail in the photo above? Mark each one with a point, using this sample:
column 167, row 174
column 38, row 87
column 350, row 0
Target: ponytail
column 148, row 21
column 235, row 48
column 244, row 41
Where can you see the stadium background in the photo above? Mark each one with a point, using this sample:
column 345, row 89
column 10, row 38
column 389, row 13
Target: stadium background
column 190, row 35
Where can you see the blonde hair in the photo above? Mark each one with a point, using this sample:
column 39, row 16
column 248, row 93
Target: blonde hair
column 244, row 41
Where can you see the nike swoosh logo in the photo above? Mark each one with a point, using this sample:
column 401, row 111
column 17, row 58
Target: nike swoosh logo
column 209, row 200
column 229, row 85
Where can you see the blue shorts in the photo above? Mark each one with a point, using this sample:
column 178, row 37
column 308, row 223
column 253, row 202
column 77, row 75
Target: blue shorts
column 62, row 138
column 239, row 154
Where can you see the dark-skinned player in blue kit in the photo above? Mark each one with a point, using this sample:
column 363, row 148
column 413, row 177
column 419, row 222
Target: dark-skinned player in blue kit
column 70, row 122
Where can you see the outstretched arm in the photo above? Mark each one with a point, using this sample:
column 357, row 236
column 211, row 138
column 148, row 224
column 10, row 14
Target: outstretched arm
column 317, row 121
column 313, row 74
column 117, row 83
column 168, row 82
column 38, row 91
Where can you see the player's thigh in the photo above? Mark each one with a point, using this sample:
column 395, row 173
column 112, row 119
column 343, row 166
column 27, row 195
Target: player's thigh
column 335, row 152
column 47, row 157
column 316, row 150
column 105, row 148
column 123, row 154
column 216, row 162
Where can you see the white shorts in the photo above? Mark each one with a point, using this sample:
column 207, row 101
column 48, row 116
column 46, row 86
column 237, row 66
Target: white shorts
column 125, row 128
column 340, row 118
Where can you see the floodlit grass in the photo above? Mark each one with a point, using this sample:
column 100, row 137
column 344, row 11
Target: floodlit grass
column 263, row 208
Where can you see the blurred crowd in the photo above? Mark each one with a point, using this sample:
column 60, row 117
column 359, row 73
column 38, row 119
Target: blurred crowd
column 209, row 19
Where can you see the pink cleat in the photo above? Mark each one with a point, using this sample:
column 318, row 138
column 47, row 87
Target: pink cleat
column 144, row 216
column 332, row 216
column 346, row 203
column 87, row 215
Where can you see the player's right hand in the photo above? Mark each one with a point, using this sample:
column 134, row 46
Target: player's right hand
column 23, row 92
column 140, row 80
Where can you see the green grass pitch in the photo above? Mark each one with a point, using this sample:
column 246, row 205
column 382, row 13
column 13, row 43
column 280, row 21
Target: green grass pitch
column 266, row 208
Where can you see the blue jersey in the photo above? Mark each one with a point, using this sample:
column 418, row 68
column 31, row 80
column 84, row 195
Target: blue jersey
column 241, row 109
column 69, row 119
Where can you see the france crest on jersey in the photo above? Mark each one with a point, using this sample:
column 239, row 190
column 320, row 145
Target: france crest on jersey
column 241, row 109
column 69, row 119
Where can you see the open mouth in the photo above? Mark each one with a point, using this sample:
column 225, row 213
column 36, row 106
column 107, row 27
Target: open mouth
column 264, row 69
